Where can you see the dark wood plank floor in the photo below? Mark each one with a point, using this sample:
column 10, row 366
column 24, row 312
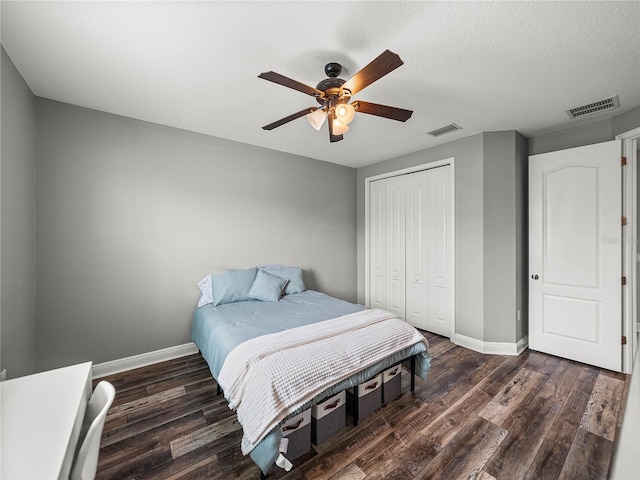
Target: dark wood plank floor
column 534, row 416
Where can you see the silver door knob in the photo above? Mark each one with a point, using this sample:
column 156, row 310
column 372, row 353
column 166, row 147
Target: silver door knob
column 535, row 277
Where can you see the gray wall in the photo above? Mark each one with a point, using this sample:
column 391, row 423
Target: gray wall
column 131, row 215
column 504, row 233
column 17, row 224
column 596, row 132
column 625, row 122
column 585, row 133
column 489, row 204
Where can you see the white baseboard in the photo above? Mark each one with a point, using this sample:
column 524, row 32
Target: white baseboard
column 492, row 348
column 129, row 363
column 142, row 360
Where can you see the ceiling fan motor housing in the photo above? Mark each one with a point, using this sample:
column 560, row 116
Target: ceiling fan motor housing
column 331, row 87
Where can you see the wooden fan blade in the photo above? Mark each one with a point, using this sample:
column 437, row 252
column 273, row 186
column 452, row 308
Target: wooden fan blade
column 386, row 62
column 288, row 82
column 291, row 117
column 332, row 137
column 385, row 111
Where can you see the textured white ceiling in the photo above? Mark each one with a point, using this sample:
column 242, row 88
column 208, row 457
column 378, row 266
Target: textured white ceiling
column 486, row 66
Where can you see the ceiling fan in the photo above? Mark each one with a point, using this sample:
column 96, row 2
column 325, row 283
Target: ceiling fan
column 334, row 96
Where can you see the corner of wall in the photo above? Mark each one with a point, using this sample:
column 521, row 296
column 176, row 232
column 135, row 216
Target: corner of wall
column 17, row 222
column 522, row 239
column 502, row 232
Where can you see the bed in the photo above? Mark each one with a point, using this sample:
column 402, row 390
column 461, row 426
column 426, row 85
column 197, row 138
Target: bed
column 255, row 331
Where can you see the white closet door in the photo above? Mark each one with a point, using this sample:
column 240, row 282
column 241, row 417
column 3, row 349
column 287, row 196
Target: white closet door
column 395, row 206
column 378, row 241
column 429, row 254
column 439, row 247
column 411, row 248
column 417, row 231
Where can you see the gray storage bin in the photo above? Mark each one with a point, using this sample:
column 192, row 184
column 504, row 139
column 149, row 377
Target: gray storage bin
column 391, row 383
column 328, row 417
column 365, row 398
column 298, row 430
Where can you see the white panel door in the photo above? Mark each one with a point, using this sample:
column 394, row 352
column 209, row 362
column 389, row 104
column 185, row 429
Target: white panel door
column 378, row 241
column 575, row 254
column 395, row 245
column 439, row 250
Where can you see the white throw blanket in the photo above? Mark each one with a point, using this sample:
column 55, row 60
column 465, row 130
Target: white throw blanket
column 267, row 378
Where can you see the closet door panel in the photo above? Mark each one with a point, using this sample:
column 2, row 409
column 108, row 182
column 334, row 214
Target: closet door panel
column 396, row 239
column 440, row 254
column 378, row 239
column 417, row 254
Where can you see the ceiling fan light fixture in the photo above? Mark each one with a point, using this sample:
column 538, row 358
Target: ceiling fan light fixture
column 316, row 118
column 345, row 113
column 338, row 127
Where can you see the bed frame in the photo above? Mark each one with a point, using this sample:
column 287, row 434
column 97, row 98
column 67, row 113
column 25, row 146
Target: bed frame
column 412, row 360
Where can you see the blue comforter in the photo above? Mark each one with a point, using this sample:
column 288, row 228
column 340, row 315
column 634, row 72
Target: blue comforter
column 218, row 330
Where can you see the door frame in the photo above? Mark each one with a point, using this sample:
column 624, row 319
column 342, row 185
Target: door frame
column 367, row 240
column 630, row 142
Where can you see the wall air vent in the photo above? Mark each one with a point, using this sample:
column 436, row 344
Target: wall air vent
column 446, row 129
column 595, row 107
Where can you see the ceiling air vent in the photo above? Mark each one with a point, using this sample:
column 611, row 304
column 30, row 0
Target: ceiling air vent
column 446, row 129
column 595, row 107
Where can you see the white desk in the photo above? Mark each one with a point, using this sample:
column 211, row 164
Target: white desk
column 40, row 417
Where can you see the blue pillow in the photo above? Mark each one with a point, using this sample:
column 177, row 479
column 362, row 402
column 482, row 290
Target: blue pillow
column 293, row 274
column 267, row 287
column 232, row 286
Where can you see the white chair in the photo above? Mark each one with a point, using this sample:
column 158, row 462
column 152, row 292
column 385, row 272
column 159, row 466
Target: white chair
column 86, row 460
